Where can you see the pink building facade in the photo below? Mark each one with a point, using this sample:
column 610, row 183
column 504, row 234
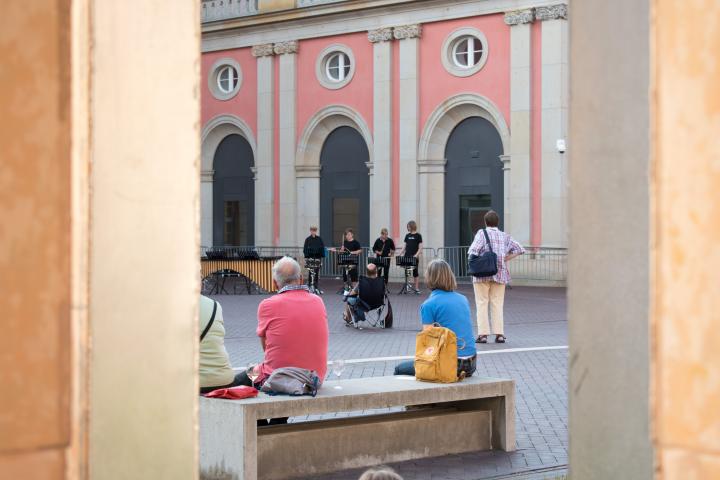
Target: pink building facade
column 370, row 114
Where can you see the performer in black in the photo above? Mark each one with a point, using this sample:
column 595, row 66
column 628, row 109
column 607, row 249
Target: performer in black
column 314, row 248
column 384, row 247
column 350, row 245
column 412, row 248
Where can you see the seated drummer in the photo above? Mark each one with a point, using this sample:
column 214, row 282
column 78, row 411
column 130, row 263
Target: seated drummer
column 384, row 247
column 314, row 248
column 367, row 295
column 350, row 245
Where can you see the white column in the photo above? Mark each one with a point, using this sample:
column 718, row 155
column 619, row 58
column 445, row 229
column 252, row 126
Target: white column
column 265, row 151
column 554, row 113
column 308, row 199
column 206, row 208
column 409, row 37
column 431, row 199
column 517, row 187
column 287, row 97
column 381, row 173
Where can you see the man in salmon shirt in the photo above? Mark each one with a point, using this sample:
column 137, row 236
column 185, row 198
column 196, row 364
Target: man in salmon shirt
column 292, row 325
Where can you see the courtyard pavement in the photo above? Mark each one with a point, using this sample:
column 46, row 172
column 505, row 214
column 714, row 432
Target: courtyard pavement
column 535, row 356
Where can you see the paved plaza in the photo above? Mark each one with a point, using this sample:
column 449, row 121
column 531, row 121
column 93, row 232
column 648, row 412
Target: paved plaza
column 535, row 357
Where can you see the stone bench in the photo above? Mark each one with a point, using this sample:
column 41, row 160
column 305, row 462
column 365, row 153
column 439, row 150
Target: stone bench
column 475, row 414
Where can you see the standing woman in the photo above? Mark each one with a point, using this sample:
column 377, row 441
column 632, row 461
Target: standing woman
column 384, row 247
column 449, row 309
column 491, row 290
column 412, row 248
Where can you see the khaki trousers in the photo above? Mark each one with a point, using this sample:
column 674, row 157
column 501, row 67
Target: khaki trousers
column 494, row 294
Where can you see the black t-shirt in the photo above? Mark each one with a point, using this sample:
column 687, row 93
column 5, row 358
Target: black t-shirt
column 384, row 247
column 372, row 291
column 314, row 247
column 353, row 246
column 412, row 243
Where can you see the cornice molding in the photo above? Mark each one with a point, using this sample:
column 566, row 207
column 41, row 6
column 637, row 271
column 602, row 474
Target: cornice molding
column 407, row 31
column 380, row 35
column 552, row 12
column 520, row 17
column 264, row 50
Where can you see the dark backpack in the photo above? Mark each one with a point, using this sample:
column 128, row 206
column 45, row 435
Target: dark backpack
column 483, row 265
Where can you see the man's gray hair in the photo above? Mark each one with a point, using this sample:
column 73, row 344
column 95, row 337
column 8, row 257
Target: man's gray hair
column 286, row 271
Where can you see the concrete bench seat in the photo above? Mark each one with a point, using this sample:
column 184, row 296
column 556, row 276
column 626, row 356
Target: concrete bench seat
column 475, row 414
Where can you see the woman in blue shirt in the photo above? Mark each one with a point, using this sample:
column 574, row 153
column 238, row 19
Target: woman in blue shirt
column 449, row 309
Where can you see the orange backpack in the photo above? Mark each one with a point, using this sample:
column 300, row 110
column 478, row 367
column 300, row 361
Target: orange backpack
column 436, row 355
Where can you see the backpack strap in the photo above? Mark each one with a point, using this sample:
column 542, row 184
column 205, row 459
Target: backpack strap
column 212, row 319
column 487, row 239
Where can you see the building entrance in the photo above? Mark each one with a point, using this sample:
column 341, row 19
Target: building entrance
column 344, row 187
column 473, row 179
column 233, row 193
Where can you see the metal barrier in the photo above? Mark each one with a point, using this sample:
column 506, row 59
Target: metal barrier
column 537, row 264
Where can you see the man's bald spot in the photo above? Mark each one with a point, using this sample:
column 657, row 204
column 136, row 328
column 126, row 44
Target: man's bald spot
column 372, row 270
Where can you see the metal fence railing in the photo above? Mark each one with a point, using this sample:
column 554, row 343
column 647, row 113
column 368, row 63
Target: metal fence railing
column 537, row 264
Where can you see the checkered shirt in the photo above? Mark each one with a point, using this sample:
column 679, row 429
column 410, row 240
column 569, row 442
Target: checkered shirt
column 289, row 288
column 502, row 244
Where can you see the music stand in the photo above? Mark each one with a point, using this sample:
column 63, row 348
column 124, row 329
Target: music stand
column 313, row 266
column 408, row 264
column 347, row 261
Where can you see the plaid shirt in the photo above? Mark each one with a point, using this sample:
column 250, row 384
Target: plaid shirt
column 502, row 244
column 289, row 288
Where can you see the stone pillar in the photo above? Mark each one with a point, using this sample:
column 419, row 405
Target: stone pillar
column 409, row 37
column 265, row 150
column 505, row 159
column 554, row 90
column 206, row 208
column 431, row 196
column 381, row 176
column 308, row 199
column 287, row 52
column 517, row 187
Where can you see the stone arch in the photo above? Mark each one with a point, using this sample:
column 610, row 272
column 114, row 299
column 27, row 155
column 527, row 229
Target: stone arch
column 321, row 125
column 307, row 159
column 449, row 114
column 215, row 130
column 432, row 161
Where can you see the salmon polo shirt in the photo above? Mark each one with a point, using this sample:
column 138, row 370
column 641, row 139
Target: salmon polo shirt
column 294, row 324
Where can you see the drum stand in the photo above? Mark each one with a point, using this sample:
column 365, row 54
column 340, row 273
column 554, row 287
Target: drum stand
column 408, row 287
column 347, row 286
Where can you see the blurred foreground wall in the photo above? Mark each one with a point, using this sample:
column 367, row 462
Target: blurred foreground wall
column 99, row 138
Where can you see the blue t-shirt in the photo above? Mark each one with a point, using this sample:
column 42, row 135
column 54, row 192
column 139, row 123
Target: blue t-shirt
column 451, row 310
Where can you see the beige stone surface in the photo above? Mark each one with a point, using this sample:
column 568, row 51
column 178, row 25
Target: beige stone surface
column 265, row 6
column 686, row 210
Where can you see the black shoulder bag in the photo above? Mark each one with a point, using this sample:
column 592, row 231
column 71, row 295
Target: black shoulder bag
column 212, row 319
column 484, row 265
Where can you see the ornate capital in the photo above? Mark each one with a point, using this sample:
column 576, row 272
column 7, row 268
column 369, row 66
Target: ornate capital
column 553, row 12
column 518, row 17
column 371, row 167
column 206, row 176
column 380, row 35
column 505, row 159
column 254, row 172
column 307, row 171
column 407, row 31
column 264, row 50
column 286, row 47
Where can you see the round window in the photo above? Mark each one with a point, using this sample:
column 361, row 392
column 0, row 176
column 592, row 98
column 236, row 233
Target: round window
column 225, row 79
column 467, row 51
column 464, row 52
column 335, row 66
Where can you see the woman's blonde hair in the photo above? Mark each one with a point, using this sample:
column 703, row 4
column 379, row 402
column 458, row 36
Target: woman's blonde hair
column 438, row 275
column 380, row 473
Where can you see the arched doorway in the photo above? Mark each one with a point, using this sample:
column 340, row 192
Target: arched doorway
column 233, row 193
column 473, row 179
column 344, row 186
